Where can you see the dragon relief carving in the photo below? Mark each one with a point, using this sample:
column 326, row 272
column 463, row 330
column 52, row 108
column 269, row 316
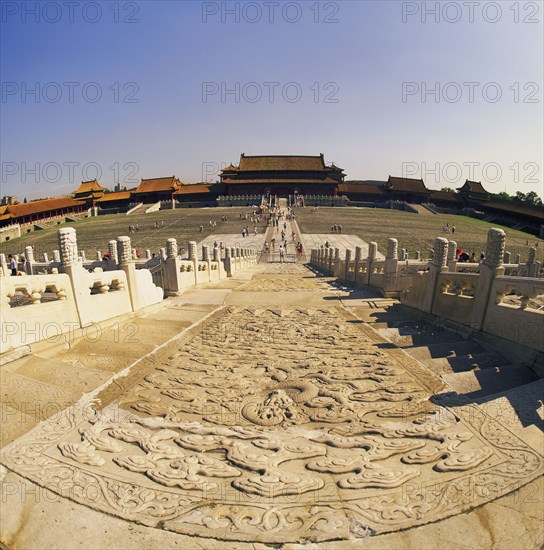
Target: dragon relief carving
column 277, row 425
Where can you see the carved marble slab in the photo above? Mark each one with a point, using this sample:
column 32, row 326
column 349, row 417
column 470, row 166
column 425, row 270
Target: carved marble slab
column 278, row 425
column 283, row 284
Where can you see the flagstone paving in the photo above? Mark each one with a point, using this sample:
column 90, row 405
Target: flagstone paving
column 275, row 409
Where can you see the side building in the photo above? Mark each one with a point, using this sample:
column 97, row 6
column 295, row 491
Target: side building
column 156, row 189
column 41, row 213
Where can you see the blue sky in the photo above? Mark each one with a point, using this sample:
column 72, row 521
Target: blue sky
column 349, row 63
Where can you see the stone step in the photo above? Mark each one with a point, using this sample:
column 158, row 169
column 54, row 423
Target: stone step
column 113, row 362
column 34, row 388
column 479, row 383
column 415, row 334
column 462, row 363
column 519, row 409
column 74, row 379
column 445, row 349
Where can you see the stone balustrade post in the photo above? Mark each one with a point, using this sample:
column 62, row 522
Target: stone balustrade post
column 507, row 256
column 45, row 258
column 358, row 256
column 171, row 267
column 113, row 258
column 437, row 266
column 372, row 255
column 230, row 264
column 391, row 265
column 346, row 264
column 452, row 250
column 491, row 267
column 68, row 246
column 452, row 256
column 126, row 264
column 148, row 255
column 334, row 261
column 193, row 251
column 29, row 264
column 73, row 267
column 207, row 257
column 392, row 249
column 418, row 255
column 124, row 250
column 171, row 248
column 4, row 265
column 532, row 265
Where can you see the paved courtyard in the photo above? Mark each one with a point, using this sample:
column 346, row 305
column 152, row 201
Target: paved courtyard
column 272, row 408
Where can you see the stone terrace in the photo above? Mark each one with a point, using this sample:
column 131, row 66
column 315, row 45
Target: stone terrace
column 274, row 407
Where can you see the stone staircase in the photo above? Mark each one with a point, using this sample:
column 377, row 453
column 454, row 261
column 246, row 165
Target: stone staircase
column 56, row 375
column 423, row 209
column 474, row 372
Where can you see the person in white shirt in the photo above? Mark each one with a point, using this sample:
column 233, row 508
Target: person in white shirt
column 12, row 265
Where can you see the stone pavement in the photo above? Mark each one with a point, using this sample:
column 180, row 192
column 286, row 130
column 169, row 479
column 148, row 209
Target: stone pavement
column 315, row 240
column 255, row 242
column 278, row 407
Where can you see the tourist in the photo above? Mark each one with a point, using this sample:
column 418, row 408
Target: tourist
column 473, row 258
column 273, row 244
column 327, row 244
column 282, row 253
column 482, row 257
column 12, row 265
column 452, row 229
column 339, row 229
column 137, row 227
column 255, row 230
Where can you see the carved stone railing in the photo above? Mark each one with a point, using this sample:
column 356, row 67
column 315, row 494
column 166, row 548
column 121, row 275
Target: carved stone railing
column 458, row 284
column 516, row 310
column 518, row 293
column 35, row 307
